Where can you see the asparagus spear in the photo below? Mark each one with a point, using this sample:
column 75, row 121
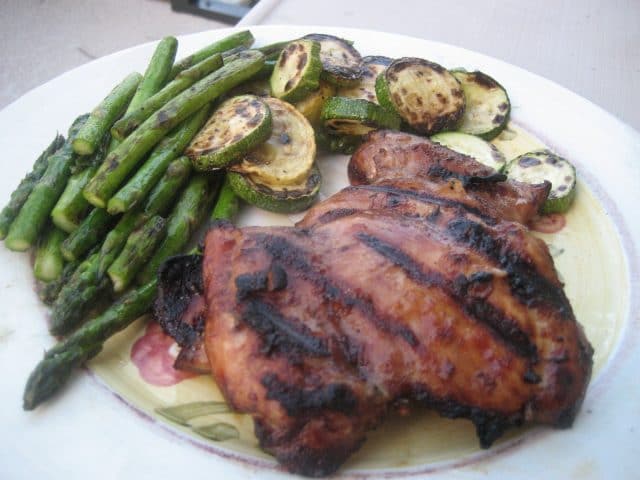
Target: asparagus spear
column 227, row 204
column 157, row 72
column 103, row 116
column 49, row 263
column 169, row 148
column 87, row 235
column 86, row 342
column 58, row 363
column 48, row 292
column 20, row 194
column 139, row 247
column 77, row 296
column 72, row 205
column 126, row 156
column 33, row 215
column 244, row 38
column 135, row 118
column 157, row 202
column 188, row 213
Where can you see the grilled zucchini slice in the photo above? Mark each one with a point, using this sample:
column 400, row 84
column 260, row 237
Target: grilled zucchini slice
column 426, row 95
column 540, row 165
column 365, row 88
column 288, row 154
column 274, row 197
column 311, row 106
column 341, row 63
column 238, row 125
column 487, row 104
column 475, row 147
column 355, row 116
column 297, row 71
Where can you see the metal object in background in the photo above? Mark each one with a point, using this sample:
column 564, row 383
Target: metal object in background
column 229, row 11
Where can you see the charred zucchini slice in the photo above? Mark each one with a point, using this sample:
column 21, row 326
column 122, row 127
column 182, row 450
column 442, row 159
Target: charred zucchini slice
column 540, row 165
column 288, row 154
column 355, row 116
column 365, row 88
column 475, row 147
column 297, row 71
column 237, row 126
column 311, row 106
column 341, row 63
column 277, row 198
column 426, row 95
column 487, row 104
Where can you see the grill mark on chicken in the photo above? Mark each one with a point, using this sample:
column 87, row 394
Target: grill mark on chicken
column 423, row 197
column 505, row 328
column 287, row 253
column 442, row 173
column 280, row 334
column 526, row 283
column 273, row 279
column 336, row 397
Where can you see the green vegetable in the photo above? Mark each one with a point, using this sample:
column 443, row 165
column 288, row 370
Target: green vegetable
column 157, row 202
column 311, row 105
column 355, row 116
column 48, row 292
column 196, row 199
column 365, row 87
column 72, row 207
column 34, row 213
column 487, row 105
column 341, row 62
column 21, row 193
column 126, row 156
column 426, row 95
column 157, row 71
column 143, row 180
column 103, row 116
column 297, row 72
column 243, row 38
column 275, row 198
column 87, row 235
column 49, row 262
column 237, row 126
column 227, row 204
column 58, row 363
column 77, row 296
column 288, row 155
column 483, row 151
column 543, row 165
column 137, row 250
column 182, row 82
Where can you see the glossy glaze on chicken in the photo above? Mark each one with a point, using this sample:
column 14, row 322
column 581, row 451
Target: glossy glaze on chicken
column 423, row 290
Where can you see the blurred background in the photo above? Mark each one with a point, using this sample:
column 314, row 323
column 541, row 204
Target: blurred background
column 591, row 47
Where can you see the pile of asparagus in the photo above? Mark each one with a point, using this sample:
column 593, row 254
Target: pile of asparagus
column 106, row 207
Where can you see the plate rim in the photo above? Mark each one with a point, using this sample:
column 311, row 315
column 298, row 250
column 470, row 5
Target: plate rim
column 628, row 337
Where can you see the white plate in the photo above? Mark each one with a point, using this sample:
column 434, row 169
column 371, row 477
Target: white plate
column 88, row 432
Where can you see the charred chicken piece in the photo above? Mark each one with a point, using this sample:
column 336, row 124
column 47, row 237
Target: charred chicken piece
column 317, row 332
column 389, row 155
column 421, row 288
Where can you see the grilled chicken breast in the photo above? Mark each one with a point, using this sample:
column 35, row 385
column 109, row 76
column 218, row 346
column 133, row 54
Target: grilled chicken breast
column 423, row 290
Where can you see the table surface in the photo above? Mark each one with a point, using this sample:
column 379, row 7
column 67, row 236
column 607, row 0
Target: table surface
column 592, row 47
